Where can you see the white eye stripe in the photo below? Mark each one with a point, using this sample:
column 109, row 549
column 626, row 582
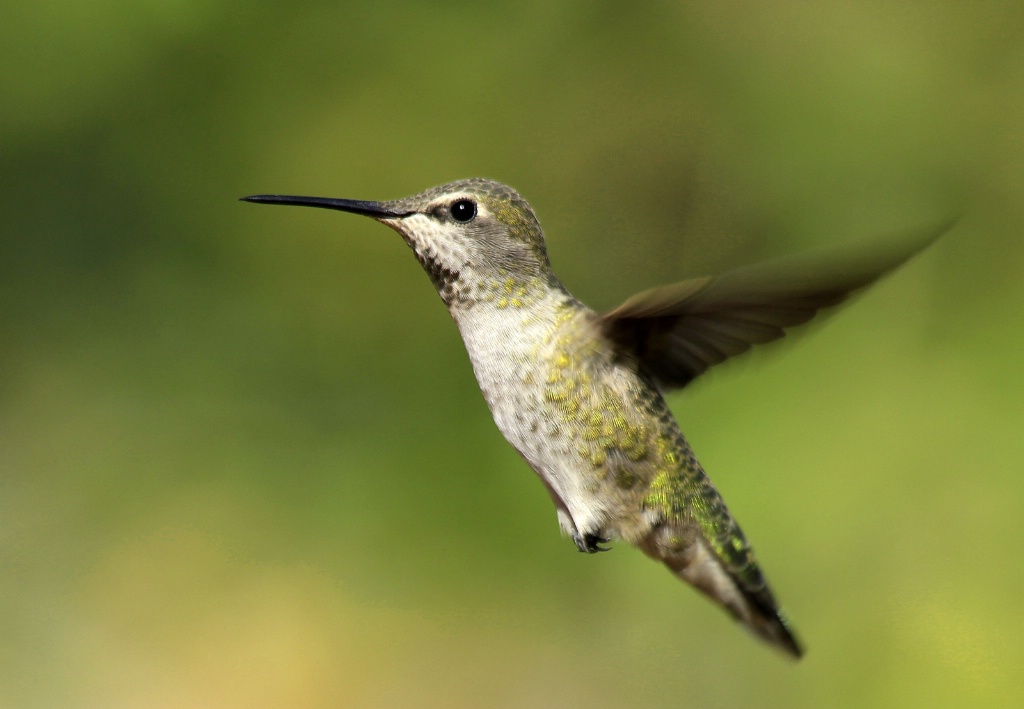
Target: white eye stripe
column 442, row 209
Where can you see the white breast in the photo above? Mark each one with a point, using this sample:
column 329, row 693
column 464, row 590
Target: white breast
column 511, row 350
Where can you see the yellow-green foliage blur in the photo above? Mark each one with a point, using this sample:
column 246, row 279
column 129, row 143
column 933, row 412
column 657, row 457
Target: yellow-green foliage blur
column 243, row 458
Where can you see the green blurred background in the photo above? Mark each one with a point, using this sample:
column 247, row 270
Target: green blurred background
column 243, row 458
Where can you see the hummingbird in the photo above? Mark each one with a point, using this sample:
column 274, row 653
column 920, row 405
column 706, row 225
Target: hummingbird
column 581, row 394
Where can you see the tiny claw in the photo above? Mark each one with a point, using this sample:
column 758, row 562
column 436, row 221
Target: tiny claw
column 590, row 543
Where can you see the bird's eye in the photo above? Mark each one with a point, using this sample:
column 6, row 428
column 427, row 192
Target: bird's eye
column 463, row 210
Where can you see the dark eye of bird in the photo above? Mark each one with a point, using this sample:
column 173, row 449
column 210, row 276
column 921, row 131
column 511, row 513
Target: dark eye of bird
column 463, row 211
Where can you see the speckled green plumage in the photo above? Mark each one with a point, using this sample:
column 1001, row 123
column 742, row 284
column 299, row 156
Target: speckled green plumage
column 634, row 445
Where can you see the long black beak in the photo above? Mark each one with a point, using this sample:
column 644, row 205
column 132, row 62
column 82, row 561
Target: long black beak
column 355, row 206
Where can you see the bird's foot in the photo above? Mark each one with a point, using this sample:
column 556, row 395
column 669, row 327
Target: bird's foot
column 590, row 543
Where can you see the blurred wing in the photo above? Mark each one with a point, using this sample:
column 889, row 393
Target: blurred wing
column 681, row 330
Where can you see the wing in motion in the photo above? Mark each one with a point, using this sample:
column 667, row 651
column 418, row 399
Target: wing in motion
column 681, row 330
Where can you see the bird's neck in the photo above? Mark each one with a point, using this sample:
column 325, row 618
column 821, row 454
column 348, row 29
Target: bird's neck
column 510, row 312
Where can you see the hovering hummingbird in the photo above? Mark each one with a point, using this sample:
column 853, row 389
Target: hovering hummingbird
column 580, row 394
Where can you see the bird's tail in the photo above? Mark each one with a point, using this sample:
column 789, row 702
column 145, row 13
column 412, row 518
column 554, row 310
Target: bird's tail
column 728, row 575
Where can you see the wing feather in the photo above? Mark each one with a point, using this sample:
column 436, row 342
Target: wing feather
column 681, row 330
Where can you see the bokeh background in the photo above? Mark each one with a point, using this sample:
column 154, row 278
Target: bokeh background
column 243, row 458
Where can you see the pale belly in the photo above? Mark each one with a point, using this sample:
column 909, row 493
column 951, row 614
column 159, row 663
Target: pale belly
column 573, row 416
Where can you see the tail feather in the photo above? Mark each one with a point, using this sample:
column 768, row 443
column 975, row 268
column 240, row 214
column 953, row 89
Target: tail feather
column 747, row 599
